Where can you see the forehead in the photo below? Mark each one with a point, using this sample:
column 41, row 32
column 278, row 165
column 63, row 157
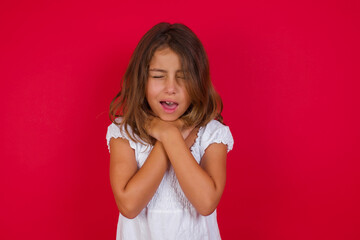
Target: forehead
column 165, row 58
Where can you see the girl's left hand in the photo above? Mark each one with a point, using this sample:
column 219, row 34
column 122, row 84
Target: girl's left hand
column 156, row 127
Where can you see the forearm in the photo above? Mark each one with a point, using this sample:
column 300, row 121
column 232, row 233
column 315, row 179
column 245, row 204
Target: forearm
column 138, row 191
column 195, row 182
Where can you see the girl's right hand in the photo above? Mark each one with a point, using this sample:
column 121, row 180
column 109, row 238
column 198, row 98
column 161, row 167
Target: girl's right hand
column 157, row 128
column 189, row 134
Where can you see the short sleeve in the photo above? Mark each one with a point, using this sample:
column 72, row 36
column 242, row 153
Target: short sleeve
column 114, row 131
column 216, row 132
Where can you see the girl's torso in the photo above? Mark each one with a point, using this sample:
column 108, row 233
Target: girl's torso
column 169, row 215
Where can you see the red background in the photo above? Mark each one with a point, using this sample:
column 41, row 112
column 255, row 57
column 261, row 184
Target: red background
column 288, row 75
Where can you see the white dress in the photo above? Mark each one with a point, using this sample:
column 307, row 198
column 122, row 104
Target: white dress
column 169, row 214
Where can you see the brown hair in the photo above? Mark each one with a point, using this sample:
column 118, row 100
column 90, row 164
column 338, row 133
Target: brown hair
column 131, row 104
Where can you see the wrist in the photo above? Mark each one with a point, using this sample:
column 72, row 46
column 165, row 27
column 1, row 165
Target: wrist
column 169, row 133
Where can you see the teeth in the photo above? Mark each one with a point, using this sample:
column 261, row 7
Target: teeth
column 169, row 103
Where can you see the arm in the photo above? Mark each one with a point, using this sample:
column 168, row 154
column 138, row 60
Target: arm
column 202, row 184
column 133, row 188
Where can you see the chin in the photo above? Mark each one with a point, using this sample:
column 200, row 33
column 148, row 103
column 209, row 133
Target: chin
column 168, row 118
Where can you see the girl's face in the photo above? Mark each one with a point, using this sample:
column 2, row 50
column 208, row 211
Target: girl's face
column 165, row 90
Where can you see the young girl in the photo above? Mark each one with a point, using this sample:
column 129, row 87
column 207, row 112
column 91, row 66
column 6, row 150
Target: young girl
column 167, row 143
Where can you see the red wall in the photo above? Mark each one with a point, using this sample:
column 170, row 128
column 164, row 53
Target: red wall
column 288, row 75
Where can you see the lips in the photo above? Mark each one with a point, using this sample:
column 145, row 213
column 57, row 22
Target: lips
column 169, row 106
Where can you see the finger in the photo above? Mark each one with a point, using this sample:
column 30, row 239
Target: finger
column 179, row 123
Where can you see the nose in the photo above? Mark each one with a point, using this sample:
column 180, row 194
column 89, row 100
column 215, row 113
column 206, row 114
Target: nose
column 170, row 85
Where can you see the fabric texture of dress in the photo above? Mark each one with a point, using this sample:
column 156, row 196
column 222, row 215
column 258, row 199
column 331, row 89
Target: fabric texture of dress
column 169, row 214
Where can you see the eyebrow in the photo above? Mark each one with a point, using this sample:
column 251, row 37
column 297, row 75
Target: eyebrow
column 161, row 70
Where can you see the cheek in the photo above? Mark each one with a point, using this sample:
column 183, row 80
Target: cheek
column 155, row 86
column 152, row 90
column 186, row 95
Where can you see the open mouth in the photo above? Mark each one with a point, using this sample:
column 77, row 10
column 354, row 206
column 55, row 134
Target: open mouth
column 169, row 105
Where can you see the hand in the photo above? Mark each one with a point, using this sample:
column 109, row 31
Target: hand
column 155, row 127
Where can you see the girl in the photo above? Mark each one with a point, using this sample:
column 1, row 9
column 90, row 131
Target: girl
column 167, row 151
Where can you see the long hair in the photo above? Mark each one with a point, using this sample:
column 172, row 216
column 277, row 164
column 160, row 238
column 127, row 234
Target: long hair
column 131, row 104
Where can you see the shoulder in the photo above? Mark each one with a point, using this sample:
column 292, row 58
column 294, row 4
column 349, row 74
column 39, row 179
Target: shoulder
column 216, row 132
column 117, row 130
column 215, row 127
column 214, row 124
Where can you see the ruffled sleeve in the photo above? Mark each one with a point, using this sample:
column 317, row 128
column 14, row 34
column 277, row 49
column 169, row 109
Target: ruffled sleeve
column 216, row 132
column 114, row 131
